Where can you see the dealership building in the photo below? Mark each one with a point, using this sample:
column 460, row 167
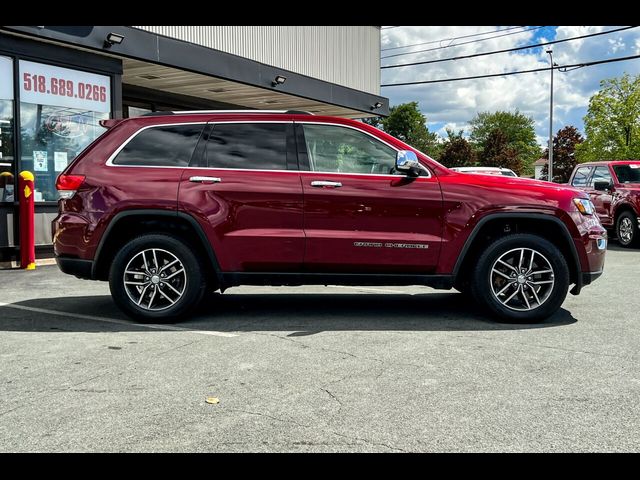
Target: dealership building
column 57, row 83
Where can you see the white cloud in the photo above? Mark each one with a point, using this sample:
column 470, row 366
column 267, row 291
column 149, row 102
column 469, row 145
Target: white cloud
column 455, row 103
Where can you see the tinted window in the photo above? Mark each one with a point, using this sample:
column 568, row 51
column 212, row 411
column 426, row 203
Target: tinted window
column 248, row 145
column 341, row 149
column 167, row 146
column 601, row 174
column 580, row 178
column 628, row 173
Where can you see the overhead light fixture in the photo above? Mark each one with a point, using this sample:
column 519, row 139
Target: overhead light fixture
column 279, row 80
column 113, row 39
column 376, row 105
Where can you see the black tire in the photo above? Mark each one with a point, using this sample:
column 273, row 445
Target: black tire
column 628, row 235
column 191, row 283
column 483, row 279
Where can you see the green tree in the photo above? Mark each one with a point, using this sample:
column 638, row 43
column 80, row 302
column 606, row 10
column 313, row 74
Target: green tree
column 457, row 151
column 406, row 122
column 612, row 123
column 497, row 152
column 518, row 130
column 564, row 154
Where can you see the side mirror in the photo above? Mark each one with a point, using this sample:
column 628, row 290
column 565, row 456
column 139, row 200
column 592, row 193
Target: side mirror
column 602, row 186
column 407, row 162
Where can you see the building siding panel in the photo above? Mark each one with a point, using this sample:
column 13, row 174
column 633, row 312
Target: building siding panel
column 345, row 55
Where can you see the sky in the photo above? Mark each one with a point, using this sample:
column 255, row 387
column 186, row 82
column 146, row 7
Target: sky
column 453, row 104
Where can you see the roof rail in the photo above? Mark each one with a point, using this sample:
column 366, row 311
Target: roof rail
column 175, row 112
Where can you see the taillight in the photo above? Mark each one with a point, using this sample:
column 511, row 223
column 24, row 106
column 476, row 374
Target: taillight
column 68, row 184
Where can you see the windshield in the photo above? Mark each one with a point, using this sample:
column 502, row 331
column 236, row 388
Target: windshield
column 628, row 173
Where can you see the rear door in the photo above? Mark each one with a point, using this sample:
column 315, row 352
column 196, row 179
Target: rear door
column 245, row 191
column 360, row 216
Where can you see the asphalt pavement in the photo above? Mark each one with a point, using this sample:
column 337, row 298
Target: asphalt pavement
column 347, row 369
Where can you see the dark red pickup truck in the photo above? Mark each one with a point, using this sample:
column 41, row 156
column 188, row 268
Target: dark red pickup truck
column 614, row 188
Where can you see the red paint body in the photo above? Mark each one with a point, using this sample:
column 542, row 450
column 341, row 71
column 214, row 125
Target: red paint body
column 274, row 221
column 610, row 202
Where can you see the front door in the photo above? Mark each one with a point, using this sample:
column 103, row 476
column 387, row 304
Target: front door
column 247, row 196
column 360, row 216
column 602, row 198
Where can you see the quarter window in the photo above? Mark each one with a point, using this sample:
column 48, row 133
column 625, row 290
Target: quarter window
column 165, row 146
column 339, row 149
column 260, row 146
column 581, row 176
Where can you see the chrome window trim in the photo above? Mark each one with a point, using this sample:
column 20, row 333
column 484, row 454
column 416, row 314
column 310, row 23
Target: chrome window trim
column 110, row 163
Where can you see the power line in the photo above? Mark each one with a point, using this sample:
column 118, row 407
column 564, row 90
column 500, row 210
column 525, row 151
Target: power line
column 450, row 38
column 462, row 43
column 508, row 49
column 506, row 74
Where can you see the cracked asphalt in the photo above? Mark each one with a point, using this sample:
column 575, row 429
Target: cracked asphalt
column 306, row 369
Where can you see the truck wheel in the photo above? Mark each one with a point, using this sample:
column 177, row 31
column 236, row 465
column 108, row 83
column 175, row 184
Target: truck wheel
column 627, row 230
column 521, row 278
column 155, row 278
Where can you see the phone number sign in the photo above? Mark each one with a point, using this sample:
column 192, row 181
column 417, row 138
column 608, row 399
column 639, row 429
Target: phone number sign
column 48, row 85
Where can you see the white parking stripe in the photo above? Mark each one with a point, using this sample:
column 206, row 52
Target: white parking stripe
column 116, row 321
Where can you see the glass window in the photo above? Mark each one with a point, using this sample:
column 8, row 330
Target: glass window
column 59, row 113
column 581, row 176
column 628, row 173
column 7, row 167
column 248, row 145
column 340, row 149
column 166, row 146
column 601, row 174
column 137, row 111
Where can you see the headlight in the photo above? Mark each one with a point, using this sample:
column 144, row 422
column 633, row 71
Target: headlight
column 584, row 206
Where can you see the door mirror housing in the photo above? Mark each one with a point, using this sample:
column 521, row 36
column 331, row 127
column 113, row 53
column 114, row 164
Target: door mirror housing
column 407, row 162
column 602, row 186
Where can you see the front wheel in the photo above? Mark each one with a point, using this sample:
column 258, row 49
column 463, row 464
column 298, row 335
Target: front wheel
column 627, row 230
column 156, row 277
column 521, row 278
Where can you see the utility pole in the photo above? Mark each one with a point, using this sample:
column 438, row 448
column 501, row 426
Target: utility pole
column 550, row 52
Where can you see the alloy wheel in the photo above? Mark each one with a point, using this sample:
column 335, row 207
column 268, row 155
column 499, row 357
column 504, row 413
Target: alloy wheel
column 625, row 230
column 522, row 279
column 155, row 279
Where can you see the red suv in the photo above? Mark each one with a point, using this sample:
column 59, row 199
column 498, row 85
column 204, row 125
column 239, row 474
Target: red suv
column 614, row 188
column 169, row 206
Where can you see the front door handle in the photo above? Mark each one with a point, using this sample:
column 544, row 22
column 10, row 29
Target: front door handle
column 205, row 179
column 324, row 183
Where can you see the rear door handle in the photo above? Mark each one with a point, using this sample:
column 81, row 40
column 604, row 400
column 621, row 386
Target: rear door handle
column 205, row 179
column 324, row 183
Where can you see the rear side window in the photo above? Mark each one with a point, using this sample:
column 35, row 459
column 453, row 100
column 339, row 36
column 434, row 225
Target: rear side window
column 581, row 177
column 260, row 146
column 163, row 146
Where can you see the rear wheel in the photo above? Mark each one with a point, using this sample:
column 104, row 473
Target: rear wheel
column 521, row 278
column 627, row 230
column 156, row 277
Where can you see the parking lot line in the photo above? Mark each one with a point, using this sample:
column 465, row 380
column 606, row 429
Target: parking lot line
column 116, row 321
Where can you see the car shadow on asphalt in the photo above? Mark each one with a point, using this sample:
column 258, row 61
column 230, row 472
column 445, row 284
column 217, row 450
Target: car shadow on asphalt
column 299, row 314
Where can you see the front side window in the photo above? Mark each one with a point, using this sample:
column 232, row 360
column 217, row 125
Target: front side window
column 601, row 174
column 59, row 113
column 339, row 149
column 261, row 146
column 581, row 176
column 162, row 146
